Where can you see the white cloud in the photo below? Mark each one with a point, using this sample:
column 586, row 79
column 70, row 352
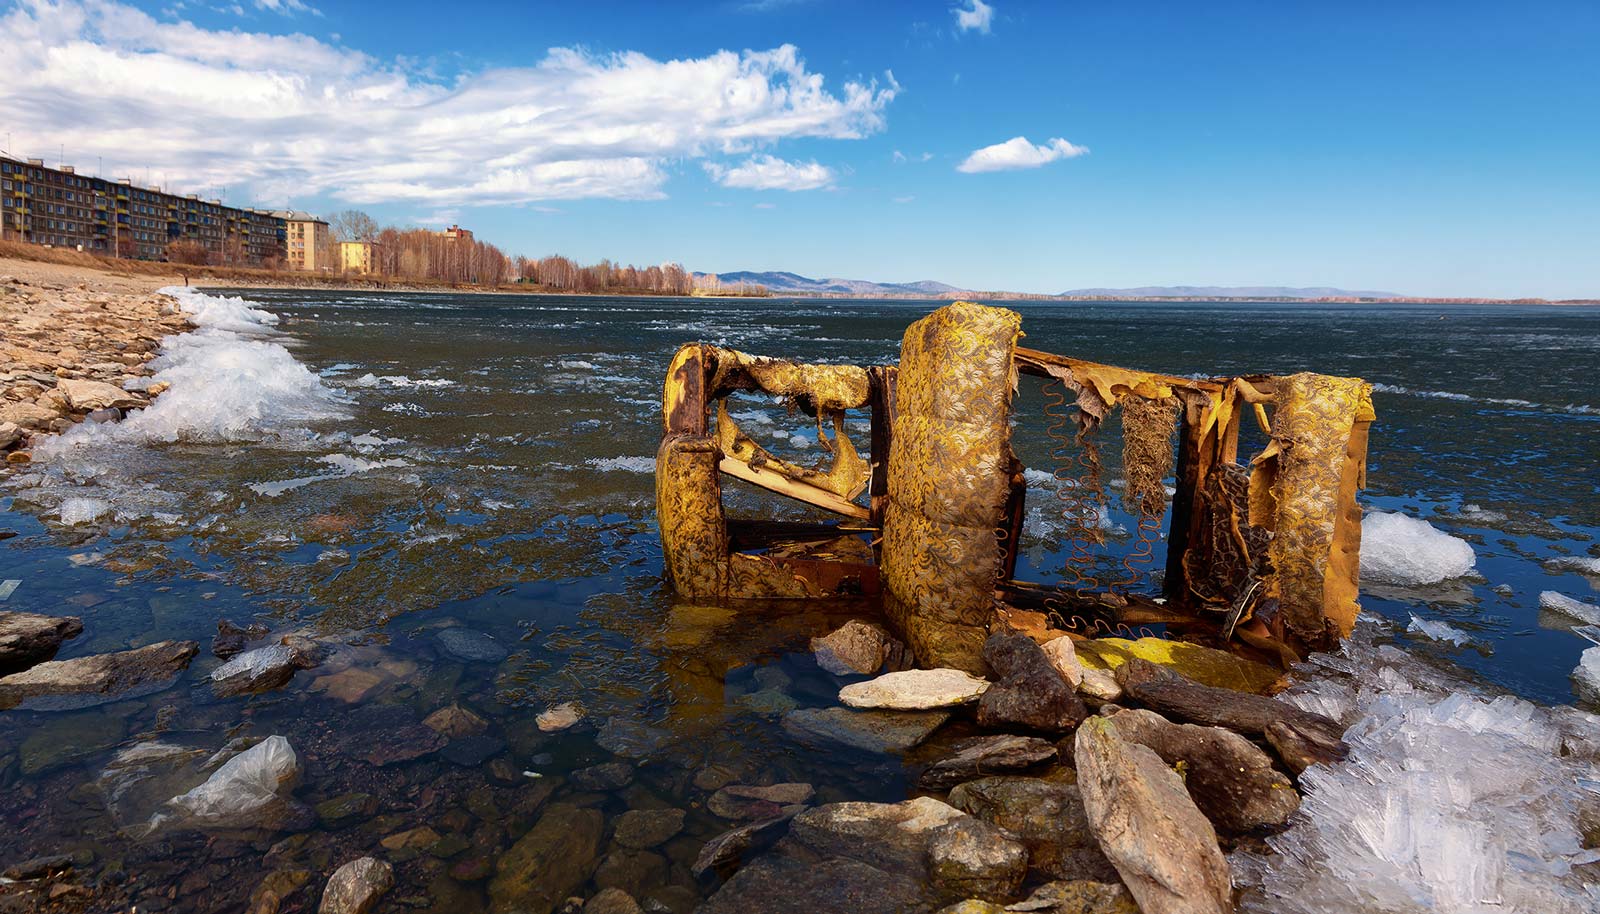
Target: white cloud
column 1017, row 152
column 906, row 199
column 900, row 158
column 282, row 7
column 765, row 172
column 278, row 116
column 976, row 17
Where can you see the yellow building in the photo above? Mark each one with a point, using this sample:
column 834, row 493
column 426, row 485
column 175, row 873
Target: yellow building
column 310, row 245
column 358, row 256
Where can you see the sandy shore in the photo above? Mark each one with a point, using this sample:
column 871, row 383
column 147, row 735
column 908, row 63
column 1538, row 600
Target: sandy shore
column 74, row 346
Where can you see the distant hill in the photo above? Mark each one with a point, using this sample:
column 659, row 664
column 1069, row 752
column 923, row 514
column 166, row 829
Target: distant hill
column 784, row 283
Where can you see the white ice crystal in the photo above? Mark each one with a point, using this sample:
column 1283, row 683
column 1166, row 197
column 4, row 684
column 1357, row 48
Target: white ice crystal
column 1567, row 606
column 1401, row 550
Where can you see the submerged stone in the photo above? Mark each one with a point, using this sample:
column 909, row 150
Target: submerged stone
column 355, row 887
column 471, row 646
column 871, row 731
column 640, row 829
column 740, row 801
column 70, row 738
column 553, row 860
column 778, row 885
column 854, row 649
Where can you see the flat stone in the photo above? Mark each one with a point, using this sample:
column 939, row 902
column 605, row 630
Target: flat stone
column 969, row 858
column 84, row 681
column 724, row 853
column 631, row 739
column 38, row 867
column 915, row 690
column 251, row 672
column 355, row 887
column 605, row 776
column 350, row 685
column 987, row 755
column 776, row 884
column 741, row 801
column 471, row 646
column 893, row 836
column 871, row 731
column 346, row 809
column 278, row 886
column 559, row 717
column 641, row 829
column 553, row 860
column 631, row 870
column 854, row 649
column 411, row 839
column 612, row 901
column 30, row 638
column 84, row 396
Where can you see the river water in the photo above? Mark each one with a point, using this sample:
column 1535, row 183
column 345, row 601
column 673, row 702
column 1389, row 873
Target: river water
column 390, row 471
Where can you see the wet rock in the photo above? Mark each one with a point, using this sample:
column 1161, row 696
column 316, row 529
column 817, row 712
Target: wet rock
column 346, row 809
column 455, row 722
column 1029, row 693
column 631, row 739
column 559, row 717
column 355, row 887
column 84, row 396
column 1300, row 746
column 987, row 755
column 871, row 731
column 472, row 869
column 411, row 839
column 915, row 690
column 65, row 740
column 251, row 790
column 641, row 829
column 351, row 685
column 724, row 853
column 387, row 735
column 630, row 870
column 1064, row 657
column 606, row 776
column 612, row 901
column 1161, row 844
column 1046, row 816
column 547, row 864
column 38, row 867
column 1079, row 896
column 973, row 906
column 471, row 646
column 969, row 858
column 272, row 891
column 854, row 649
column 84, row 681
column 740, row 801
column 231, row 639
column 1232, row 781
column 893, row 836
column 776, row 884
column 472, row 751
column 30, row 638
column 260, row 670
column 768, row 702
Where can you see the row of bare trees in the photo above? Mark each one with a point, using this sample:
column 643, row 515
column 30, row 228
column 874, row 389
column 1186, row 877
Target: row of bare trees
column 565, row 275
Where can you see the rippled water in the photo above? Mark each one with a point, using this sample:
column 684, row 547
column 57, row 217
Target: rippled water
column 485, row 463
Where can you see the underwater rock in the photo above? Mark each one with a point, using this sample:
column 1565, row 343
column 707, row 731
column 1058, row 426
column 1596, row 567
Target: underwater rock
column 872, row 731
column 29, row 638
column 776, row 884
column 553, row 860
column 631, row 870
column 471, row 646
column 38, row 867
column 725, row 852
column 559, row 717
column 973, row 906
column 272, row 891
column 355, row 887
column 854, row 649
column 631, row 739
column 605, row 776
column 612, row 901
column 986, row 755
column 915, row 690
column 230, row 638
column 84, row 681
column 969, row 858
column 893, row 836
column 641, row 829
column 1232, row 781
column 346, row 809
column 1046, row 816
column 1161, row 844
column 740, row 801
column 1030, row 693
column 455, row 722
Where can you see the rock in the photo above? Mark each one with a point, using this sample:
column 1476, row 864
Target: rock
column 606, row 776
column 631, row 871
column 346, row 809
column 84, row 681
column 29, row 638
column 1161, row 844
column 631, row 739
column 891, row 836
column 388, row 735
column 1029, row 692
column 38, row 867
column 854, row 649
column 550, row 862
column 768, row 702
column 871, row 731
column 68, row 739
column 973, row 906
column 986, row 755
column 231, row 638
column 355, row 887
column 559, row 717
column 1064, row 658
column 1046, row 816
column 260, row 670
column 10, row 433
column 612, row 901
column 472, row 751
column 271, row 892
column 1100, row 685
column 724, row 853
column 471, row 646
column 915, row 690
column 1201, row 664
column 641, row 829
column 739, row 801
column 28, row 415
column 411, row 839
column 455, row 722
column 250, row 790
column 350, row 685
column 1300, row 746
column 1231, row 780
column 969, row 858
column 776, row 884
column 84, row 396
column 1079, row 896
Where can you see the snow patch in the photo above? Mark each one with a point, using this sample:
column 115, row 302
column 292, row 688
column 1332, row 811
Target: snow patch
column 1402, row 550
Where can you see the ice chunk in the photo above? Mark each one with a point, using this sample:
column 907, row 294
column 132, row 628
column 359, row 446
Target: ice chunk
column 83, row 510
column 1586, row 676
column 1438, row 631
column 1567, row 606
column 1402, row 550
column 1583, row 564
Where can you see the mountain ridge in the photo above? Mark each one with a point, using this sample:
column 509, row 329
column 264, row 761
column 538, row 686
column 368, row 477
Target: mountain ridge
column 785, row 282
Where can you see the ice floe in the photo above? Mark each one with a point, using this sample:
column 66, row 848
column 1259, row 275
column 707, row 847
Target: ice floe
column 1438, row 631
column 1402, row 550
column 1577, row 609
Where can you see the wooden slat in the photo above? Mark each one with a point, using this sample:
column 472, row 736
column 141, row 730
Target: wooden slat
column 799, row 491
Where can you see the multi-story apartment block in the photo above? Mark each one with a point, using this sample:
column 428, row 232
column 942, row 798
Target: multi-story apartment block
column 310, row 247
column 358, row 256
column 61, row 208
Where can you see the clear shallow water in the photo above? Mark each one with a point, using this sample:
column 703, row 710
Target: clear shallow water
column 486, row 462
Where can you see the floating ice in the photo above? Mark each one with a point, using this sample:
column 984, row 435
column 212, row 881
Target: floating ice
column 399, row 380
column 1402, row 550
column 1583, row 564
column 623, row 464
column 1586, row 677
column 1438, row 631
column 1567, row 606
column 83, row 510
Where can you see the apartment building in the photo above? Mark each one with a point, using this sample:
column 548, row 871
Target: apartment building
column 456, row 233
column 61, row 208
column 358, row 256
column 310, row 246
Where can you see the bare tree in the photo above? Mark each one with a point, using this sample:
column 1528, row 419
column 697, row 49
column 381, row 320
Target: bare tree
column 353, row 225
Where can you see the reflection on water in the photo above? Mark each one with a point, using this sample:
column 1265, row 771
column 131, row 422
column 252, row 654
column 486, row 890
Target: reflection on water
column 488, row 471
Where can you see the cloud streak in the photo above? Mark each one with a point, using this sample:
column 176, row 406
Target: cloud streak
column 291, row 116
column 765, row 172
column 1017, row 153
column 976, row 16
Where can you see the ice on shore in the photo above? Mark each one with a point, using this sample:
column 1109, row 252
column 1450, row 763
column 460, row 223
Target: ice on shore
column 1452, row 800
column 1438, row 631
column 83, row 510
column 1583, row 564
column 1401, row 550
column 1567, row 606
column 1586, row 676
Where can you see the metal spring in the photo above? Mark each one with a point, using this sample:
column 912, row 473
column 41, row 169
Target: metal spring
column 1079, row 492
column 1100, row 628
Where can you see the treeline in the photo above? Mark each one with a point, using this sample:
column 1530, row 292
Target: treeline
column 565, row 275
column 420, row 254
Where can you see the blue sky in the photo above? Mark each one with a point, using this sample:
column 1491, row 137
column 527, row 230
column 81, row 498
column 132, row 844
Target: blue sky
column 1424, row 148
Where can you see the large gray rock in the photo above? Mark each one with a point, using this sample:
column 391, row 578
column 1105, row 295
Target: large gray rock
column 872, row 731
column 854, row 649
column 471, row 645
column 1029, row 693
column 777, row 884
column 980, row 756
column 892, row 836
column 1161, row 844
column 29, row 638
column 553, row 860
column 1232, row 781
column 1046, row 816
column 84, row 681
column 969, row 858
column 355, row 887
column 915, row 690
column 259, row 670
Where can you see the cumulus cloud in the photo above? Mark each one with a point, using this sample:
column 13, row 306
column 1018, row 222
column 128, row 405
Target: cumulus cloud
column 291, row 115
column 765, row 172
column 976, row 16
column 1017, row 152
